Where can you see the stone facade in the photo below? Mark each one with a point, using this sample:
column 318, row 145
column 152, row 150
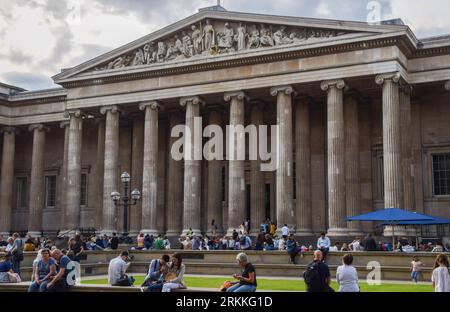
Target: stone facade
column 361, row 109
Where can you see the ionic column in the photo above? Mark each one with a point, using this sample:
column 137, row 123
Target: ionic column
column 214, row 180
column 137, row 154
column 236, row 168
column 285, row 171
column 257, row 179
column 64, row 125
column 99, row 176
column 192, row 166
column 111, row 163
column 37, row 181
column 352, row 179
column 406, row 148
column 303, row 167
column 336, row 157
column 174, row 186
column 73, row 181
column 393, row 186
column 7, row 182
column 150, row 173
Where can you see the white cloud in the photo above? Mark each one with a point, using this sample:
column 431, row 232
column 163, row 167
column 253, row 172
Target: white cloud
column 426, row 19
column 323, row 10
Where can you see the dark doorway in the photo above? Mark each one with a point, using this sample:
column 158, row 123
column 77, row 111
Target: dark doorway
column 267, row 201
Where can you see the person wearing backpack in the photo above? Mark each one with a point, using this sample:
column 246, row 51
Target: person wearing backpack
column 317, row 275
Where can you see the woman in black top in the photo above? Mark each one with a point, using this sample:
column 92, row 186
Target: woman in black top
column 247, row 280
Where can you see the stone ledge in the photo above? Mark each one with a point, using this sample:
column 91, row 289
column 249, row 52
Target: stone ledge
column 23, row 287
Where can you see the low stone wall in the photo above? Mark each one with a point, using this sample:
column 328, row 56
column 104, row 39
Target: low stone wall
column 393, row 266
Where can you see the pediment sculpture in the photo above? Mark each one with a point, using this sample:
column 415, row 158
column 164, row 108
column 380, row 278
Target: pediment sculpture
column 216, row 37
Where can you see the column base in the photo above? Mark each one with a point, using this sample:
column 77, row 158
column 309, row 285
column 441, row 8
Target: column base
column 211, row 234
column 5, row 234
column 304, row 232
column 356, row 233
column 173, row 234
column 396, row 230
column 34, row 234
column 109, row 232
column 150, row 232
column 338, row 232
column 134, row 233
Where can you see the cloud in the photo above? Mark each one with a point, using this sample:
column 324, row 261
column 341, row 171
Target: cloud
column 28, row 80
column 425, row 20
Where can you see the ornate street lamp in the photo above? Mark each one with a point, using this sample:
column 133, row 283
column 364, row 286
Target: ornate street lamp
column 127, row 201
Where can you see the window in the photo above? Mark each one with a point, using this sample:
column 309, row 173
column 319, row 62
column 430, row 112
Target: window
column 50, row 191
column 21, row 184
column 83, row 191
column 441, row 174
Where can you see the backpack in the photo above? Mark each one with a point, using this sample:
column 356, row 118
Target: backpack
column 312, row 276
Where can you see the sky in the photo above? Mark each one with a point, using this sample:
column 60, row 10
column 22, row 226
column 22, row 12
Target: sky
column 40, row 37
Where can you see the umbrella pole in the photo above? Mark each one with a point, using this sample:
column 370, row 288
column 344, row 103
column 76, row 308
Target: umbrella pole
column 393, row 238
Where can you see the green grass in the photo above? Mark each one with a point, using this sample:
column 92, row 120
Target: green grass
column 283, row 285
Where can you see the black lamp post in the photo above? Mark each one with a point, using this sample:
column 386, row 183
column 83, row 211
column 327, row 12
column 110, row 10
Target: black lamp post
column 127, row 201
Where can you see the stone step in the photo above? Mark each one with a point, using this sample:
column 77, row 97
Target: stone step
column 224, row 268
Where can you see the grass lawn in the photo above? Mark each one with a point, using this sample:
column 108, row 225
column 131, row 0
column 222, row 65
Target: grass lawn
column 283, row 285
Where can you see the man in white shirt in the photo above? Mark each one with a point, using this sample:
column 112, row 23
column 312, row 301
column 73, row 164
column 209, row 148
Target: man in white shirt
column 285, row 231
column 323, row 244
column 117, row 268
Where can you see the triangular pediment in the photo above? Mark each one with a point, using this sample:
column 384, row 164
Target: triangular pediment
column 209, row 34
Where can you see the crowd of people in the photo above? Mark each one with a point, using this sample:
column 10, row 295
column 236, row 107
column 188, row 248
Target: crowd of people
column 51, row 266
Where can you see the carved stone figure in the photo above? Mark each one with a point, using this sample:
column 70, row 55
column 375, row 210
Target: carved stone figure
column 295, row 38
column 138, row 58
column 120, row 62
column 225, row 39
column 178, row 45
column 196, row 40
column 241, row 37
column 149, row 53
column 209, row 36
column 187, row 47
column 280, row 36
column 174, row 50
column 266, row 37
column 253, row 40
column 161, row 54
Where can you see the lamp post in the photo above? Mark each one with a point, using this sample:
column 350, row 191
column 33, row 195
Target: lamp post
column 127, row 201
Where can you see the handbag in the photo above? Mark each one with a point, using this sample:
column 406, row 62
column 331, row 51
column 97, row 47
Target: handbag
column 226, row 285
column 14, row 278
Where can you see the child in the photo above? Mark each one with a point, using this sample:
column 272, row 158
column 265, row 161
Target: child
column 416, row 266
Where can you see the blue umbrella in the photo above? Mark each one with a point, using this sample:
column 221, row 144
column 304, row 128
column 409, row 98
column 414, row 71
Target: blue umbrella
column 391, row 216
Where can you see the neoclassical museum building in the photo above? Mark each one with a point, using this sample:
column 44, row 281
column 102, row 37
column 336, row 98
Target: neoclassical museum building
column 363, row 115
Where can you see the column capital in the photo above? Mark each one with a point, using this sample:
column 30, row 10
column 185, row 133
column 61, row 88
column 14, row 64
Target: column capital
column 334, row 83
column 194, row 100
column 77, row 113
column 240, row 95
column 39, row 127
column 394, row 77
column 287, row 89
column 447, row 85
column 154, row 105
column 64, row 124
column 9, row 130
column 112, row 108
